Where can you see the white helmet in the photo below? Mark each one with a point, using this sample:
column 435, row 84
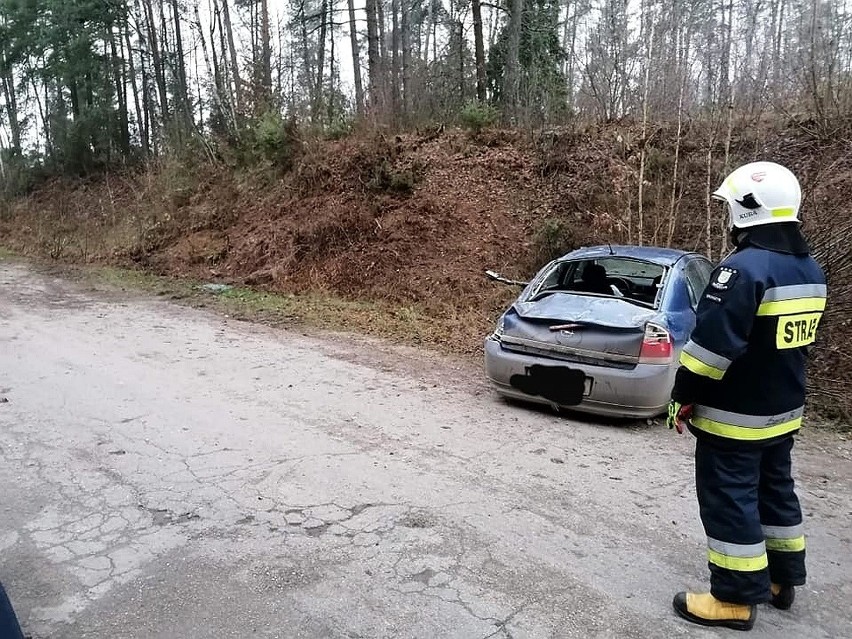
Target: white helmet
column 760, row 193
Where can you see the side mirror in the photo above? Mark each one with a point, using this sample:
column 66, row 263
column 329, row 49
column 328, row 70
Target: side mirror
column 504, row 280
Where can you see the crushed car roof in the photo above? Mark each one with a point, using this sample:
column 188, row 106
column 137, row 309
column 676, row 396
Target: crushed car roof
column 654, row 254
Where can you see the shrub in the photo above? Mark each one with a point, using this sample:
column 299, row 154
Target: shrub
column 476, row 116
column 553, row 237
column 274, row 139
column 385, row 178
column 338, row 129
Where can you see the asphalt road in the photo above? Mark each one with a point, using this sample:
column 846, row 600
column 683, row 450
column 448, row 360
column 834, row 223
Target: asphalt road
column 168, row 472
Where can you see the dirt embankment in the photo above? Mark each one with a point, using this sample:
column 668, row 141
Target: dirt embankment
column 413, row 221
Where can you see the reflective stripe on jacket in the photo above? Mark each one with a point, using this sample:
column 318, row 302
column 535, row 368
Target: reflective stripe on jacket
column 744, row 366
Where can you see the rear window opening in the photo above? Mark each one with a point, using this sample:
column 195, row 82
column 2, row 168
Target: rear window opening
column 632, row 280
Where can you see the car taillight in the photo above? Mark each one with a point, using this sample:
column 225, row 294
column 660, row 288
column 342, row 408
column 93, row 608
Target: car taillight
column 498, row 331
column 656, row 346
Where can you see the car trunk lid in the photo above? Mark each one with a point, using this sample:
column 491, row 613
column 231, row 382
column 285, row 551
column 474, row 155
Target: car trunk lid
column 581, row 328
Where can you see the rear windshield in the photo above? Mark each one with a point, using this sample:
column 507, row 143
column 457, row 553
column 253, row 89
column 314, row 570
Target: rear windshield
column 631, row 279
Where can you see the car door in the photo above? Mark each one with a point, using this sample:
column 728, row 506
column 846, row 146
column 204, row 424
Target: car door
column 697, row 273
column 690, row 278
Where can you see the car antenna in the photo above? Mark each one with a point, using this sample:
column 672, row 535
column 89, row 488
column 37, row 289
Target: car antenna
column 611, row 252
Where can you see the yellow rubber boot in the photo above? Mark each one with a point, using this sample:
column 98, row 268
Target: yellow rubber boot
column 706, row 610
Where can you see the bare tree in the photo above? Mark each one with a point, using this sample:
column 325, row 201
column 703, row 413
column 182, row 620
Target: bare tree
column 141, row 120
column 318, row 85
column 356, row 59
column 479, row 50
column 157, row 60
column 640, row 231
column 373, row 56
column 513, row 71
column 395, row 69
column 406, row 57
column 232, row 49
column 120, row 90
column 266, row 52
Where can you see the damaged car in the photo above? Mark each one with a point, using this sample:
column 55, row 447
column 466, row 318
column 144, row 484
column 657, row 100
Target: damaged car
column 599, row 330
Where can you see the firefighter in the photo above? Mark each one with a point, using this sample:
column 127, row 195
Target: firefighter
column 740, row 390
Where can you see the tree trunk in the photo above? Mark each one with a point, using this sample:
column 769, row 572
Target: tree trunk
column 778, row 37
column 386, row 98
column 373, row 59
column 131, row 71
column 11, row 105
column 406, row 58
column 279, row 65
column 511, row 81
column 232, row 49
column 356, row 60
column 252, row 7
column 332, row 68
column 157, row 61
column 380, row 20
column 182, row 85
column 460, row 44
column 572, row 92
column 42, row 111
column 75, row 99
column 121, row 95
column 640, row 230
column 232, row 100
column 306, row 51
column 266, row 51
column 218, row 100
column 149, row 125
column 725, row 70
column 216, row 69
column 708, row 203
column 430, row 13
column 317, row 101
column 479, row 50
column 395, row 71
column 678, row 136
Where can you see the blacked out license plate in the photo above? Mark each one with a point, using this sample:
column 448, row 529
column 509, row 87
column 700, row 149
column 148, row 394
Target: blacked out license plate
column 559, row 384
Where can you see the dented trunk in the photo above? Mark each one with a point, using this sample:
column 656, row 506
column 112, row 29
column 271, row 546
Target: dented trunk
column 579, row 328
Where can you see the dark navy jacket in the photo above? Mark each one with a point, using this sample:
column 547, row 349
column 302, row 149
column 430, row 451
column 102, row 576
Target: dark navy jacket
column 744, row 367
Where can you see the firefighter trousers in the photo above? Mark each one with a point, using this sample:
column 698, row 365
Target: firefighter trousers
column 751, row 516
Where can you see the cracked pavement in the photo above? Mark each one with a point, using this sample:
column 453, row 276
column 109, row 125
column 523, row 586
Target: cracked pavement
column 168, row 472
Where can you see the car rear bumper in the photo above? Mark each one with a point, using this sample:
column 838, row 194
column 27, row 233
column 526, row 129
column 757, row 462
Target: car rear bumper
column 640, row 392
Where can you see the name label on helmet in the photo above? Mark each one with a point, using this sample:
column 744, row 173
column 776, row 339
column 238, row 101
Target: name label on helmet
column 796, row 330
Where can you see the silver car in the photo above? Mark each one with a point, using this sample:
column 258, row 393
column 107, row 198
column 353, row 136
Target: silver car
column 599, row 330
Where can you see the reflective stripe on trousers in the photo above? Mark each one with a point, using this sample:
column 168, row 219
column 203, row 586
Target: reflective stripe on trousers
column 746, row 427
column 784, row 538
column 741, row 557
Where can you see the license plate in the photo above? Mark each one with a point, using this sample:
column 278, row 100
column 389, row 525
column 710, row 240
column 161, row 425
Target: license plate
column 559, row 384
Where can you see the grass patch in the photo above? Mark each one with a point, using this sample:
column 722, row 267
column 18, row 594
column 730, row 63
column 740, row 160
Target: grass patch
column 123, row 278
column 407, row 324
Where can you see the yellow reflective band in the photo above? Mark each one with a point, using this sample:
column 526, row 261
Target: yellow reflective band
column 792, row 307
column 700, row 368
column 743, row 433
column 796, row 544
column 783, row 212
column 741, row 564
column 796, row 330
